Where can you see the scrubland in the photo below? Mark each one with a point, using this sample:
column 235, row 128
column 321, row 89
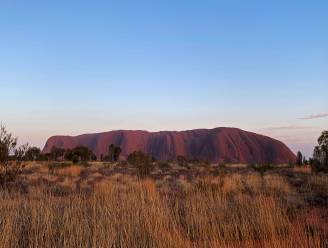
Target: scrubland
column 108, row 205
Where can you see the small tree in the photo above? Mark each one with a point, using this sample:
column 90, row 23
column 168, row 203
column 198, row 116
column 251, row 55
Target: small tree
column 20, row 153
column 68, row 155
column 305, row 161
column 111, row 151
column 299, row 158
column 114, row 153
column 320, row 153
column 7, row 145
column 33, row 154
column 317, row 153
column 117, row 153
column 323, row 145
column 79, row 153
column 83, row 152
column 10, row 169
column 142, row 161
column 57, row 152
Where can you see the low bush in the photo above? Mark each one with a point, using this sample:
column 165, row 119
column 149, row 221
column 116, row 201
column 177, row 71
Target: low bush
column 143, row 162
column 261, row 168
column 222, row 164
column 182, row 161
column 318, row 167
column 58, row 165
column 163, row 165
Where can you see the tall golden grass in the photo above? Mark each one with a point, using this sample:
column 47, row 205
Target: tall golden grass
column 123, row 211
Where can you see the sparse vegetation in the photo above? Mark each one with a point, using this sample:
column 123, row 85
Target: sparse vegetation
column 262, row 167
column 58, row 165
column 299, row 159
column 113, row 153
column 79, row 154
column 57, row 153
column 10, row 167
column 33, row 154
column 182, row 161
column 163, row 164
column 319, row 162
column 144, row 203
column 143, row 162
column 74, row 206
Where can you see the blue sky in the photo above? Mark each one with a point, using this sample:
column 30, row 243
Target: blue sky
column 71, row 67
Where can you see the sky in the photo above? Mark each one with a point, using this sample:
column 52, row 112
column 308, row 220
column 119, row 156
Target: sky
column 73, row 67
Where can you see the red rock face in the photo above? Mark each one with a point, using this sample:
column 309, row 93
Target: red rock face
column 229, row 144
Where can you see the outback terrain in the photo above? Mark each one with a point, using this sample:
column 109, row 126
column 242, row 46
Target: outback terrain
column 105, row 204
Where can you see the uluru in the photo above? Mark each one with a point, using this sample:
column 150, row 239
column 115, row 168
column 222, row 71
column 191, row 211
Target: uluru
column 232, row 145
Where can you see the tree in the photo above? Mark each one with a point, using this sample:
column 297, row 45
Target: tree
column 114, row 153
column 117, row 153
column 7, row 145
column 83, row 152
column 68, row 155
column 10, row 169
column 33, row 154
column 142, row 161
column 320, row 154
column 20, row 152
column 317, row 153
column 323, row 145
column 79, row 153
column 57, row 152
column 299, row 158
column 111, row 151
column 305, row 161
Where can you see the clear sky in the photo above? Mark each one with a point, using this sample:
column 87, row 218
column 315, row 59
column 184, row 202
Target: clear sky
column 72, row 67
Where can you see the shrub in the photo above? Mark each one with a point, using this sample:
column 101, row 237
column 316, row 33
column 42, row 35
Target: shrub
column 113, row 153
column 222, row 164
column 57, row 153
column 33, row 154
column 200, row 162
column 10, row 166
column 75, row 159
column 123, row 163
column 317, row 166
column 319, row 162
column 80, row 153
column 58, row 165
column 142, row 161
column 261, row 168
column 85, row 164
column 182, row 161
column 299, row 159
column 163, row 165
